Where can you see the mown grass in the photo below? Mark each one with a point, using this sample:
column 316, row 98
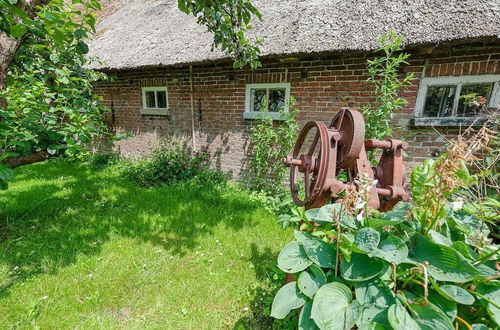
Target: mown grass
column 81, row 248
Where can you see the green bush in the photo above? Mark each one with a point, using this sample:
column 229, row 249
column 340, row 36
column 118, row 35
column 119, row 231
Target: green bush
column 169, row 162
column 428, row 264
column 101, row 160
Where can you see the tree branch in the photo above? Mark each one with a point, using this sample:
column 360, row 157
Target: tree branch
column 36, row 157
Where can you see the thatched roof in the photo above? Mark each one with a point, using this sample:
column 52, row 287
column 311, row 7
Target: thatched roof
column 138, row 33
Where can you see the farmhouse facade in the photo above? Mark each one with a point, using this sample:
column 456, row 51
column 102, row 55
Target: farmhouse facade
column 167, row 80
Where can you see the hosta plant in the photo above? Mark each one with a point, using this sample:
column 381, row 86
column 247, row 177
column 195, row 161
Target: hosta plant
column 428, row 264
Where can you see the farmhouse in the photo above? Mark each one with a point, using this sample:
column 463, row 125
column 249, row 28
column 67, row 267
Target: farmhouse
column 167, row 79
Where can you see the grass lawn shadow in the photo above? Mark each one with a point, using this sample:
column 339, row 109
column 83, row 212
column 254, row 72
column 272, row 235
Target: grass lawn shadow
column 54, row 213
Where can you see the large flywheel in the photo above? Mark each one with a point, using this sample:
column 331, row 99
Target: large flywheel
column 321, row 152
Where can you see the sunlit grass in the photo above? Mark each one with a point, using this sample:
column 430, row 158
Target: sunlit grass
column 81, row 248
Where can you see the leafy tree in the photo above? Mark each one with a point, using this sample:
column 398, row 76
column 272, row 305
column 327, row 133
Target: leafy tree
column 50, row 104
column 228, row 20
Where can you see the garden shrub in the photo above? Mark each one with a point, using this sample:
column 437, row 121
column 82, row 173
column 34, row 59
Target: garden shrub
column 169, row 162
column 428, row 264
column 102, row 159
column 271, row 142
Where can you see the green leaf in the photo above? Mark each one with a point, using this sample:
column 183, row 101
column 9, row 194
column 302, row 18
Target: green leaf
column 323, row 214
column 491, row 290
column 293, row 258
column 367, row 239
column 445, row 263
column 18, row 30
column 302, row 235
column 361, row 267
column 311, row 280
column 82, row 47
column 429, row 317
column 332, row 308
column 446, row 306
column 321, row 253
column 439, row 239
column 375, row 298
column 479, row 327
column 6, row 173
column 3, row 185
column 393, row 249
column 399, row 318
column 305, row 320
column 288, row 298
column 80, row 33
column 455, row 293
column 371, row 326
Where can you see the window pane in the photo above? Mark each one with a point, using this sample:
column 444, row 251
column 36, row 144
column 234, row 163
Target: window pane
column 276, row 99
column 161, row 99
column 150, row 99
column 257, row 99
column 439, row 101
column 477, row 94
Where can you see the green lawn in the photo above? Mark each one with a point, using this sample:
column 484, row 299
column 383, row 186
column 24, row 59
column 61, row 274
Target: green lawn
column 81, row 248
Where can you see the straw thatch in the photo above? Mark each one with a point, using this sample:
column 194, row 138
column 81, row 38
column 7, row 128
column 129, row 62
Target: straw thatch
column 138, row 33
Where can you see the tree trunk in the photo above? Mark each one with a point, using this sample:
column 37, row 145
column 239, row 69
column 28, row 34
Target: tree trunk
column 8, row 45
column 36, row 157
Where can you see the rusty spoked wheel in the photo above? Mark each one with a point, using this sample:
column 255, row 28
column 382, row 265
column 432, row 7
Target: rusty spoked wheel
column 312, row 165
column 351, row 125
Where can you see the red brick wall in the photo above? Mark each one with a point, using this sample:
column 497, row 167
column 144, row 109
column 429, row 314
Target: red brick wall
column 321, row 85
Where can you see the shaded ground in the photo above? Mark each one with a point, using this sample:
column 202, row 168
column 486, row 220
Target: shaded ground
column 82, row 248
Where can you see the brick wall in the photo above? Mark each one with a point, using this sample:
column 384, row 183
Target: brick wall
column 321, row 85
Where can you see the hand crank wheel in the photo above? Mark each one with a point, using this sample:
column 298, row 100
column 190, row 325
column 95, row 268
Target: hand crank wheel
column 351, row 125
column 313, row 167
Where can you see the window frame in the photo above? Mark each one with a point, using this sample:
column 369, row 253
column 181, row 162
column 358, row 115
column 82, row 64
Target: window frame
column 248, row 114
column 458, row 81
column 145, row 110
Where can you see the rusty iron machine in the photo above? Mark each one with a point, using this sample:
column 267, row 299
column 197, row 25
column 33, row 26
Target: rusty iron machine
column 342, row 147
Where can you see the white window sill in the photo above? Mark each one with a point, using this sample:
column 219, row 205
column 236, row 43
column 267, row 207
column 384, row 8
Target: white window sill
column 262, row 115
column 449, row 121
column 154, row 111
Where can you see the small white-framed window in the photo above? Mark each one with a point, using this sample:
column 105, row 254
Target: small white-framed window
column 261, row 97
column 443, row 101
column 154, row 100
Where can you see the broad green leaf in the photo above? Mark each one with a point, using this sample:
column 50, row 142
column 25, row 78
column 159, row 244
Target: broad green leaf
column 445, row 263
column 390, row 218
column 439, row 239
column 323, row 214
column 491, row 290
column 332, row 308
column 293, row 258
column 305, row 320
column 371, row 326
column 393, row 249
column 446, row 306
column 18, row 30
column 321, row 253
column 367, row 239
column 361, row 267
column 375, row 298
column 400, row 318
column 311, row 280
column 302, row 235
column 6, row 173
column 429, row 317
column 479, row 327
column 455, row 293
column 288, row 298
